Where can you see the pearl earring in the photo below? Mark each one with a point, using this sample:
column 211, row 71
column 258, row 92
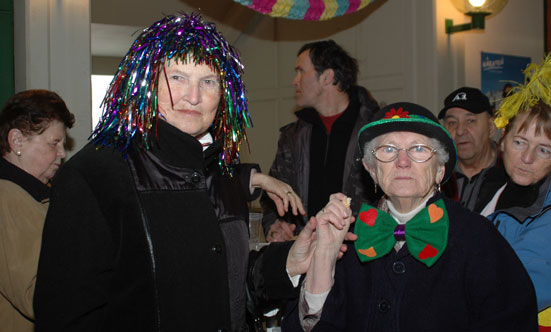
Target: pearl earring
column 18, row 152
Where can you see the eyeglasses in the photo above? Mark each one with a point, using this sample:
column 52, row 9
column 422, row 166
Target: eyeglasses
column 419, row 153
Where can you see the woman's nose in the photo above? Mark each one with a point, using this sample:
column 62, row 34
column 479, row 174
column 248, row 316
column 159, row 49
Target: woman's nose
column 192, row 94
column 61, row 153
column 528, row 156
column 403, row 159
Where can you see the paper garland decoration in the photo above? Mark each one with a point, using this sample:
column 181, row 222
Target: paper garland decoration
column 308, row 10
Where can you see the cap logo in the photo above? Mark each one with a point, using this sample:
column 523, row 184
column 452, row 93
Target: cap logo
column 460, row 96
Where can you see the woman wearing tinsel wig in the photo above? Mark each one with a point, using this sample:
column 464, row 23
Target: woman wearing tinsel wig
column 516, row 196
column 147, row 227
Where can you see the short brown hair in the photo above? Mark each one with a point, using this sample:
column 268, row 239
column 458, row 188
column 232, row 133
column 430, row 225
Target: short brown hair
column 540, row 113
column 32, row 111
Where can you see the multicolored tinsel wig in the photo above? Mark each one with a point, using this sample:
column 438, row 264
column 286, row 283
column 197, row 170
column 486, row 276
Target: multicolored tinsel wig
column 130, row 104
column 536, row 87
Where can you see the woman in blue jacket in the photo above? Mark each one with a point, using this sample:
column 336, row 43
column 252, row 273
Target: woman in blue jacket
column 516, row 196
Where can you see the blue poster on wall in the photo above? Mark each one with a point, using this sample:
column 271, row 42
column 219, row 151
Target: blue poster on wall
column 498, row 70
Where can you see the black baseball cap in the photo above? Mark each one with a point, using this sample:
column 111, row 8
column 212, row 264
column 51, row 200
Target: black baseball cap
column 470, row 99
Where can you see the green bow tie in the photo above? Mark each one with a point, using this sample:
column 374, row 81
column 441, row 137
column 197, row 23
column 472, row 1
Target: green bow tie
column 426, row 234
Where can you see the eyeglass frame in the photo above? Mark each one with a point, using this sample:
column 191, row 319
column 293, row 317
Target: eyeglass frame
column 433, row 151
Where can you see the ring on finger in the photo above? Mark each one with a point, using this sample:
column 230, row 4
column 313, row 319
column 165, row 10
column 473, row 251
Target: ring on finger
column 289, row 193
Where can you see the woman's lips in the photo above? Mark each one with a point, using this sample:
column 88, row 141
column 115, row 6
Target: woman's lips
column 189, row 112
column 403, row 178
column 523, row 170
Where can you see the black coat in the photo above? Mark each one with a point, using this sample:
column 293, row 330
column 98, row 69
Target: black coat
column 138, row 244
column 478, row 284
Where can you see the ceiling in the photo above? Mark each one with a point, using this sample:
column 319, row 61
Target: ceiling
column 114, row 23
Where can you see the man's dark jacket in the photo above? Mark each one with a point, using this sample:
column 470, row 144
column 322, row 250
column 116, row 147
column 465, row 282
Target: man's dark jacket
column 292, row 161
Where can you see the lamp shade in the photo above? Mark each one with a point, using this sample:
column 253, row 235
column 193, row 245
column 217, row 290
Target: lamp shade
column 310, row 10
column 479, row 6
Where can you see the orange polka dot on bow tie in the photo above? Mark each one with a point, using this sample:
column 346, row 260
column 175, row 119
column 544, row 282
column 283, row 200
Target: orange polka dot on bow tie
column 370, row 252
column 435, row 213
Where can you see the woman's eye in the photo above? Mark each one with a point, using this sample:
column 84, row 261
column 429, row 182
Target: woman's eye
column 419, row 148
column 518, row 142
column 210, row 83
column 178, row 78
column 545, row 151
column 389, row 149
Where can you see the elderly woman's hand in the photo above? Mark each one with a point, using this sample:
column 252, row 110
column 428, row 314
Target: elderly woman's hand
column 333, row 223
column 280, row 192
column 301, row 252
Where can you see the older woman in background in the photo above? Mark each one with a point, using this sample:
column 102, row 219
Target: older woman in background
column 33, row 127
column 422, row 262
column 516, row 196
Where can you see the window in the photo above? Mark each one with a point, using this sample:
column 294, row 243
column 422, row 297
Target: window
column 100, row 83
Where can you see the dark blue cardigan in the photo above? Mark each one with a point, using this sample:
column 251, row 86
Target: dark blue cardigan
column 478, row 284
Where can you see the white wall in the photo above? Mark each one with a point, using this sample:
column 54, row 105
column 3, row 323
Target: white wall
column 517, row 30
column 394, row 45
column 52, row 51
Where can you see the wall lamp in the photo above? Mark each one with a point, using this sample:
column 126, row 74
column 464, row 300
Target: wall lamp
column 477, row 10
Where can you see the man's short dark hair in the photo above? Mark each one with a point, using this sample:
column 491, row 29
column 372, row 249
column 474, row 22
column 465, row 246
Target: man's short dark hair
column 327, row 54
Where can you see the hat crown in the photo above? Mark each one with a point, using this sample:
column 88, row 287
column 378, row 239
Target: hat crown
column 470, row 99
column 404, row 110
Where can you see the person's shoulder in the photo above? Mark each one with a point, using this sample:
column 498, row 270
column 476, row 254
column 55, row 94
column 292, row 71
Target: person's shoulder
column 93, row 156
column 471, row 229
column 459, row 214
column 11, row 191
column 295, row 126
column 97, row 164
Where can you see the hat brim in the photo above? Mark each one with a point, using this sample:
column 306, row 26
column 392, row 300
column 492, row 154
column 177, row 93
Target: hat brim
column 427, row 128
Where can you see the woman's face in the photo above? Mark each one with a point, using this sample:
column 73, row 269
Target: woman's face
column 41, row 154
column 527, row 157
column 404, row 179
column 195, row 93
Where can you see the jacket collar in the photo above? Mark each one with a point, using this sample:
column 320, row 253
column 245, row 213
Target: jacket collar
column 38, row 190
column 540, row 205
column 349, row 115
column 175, row 147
